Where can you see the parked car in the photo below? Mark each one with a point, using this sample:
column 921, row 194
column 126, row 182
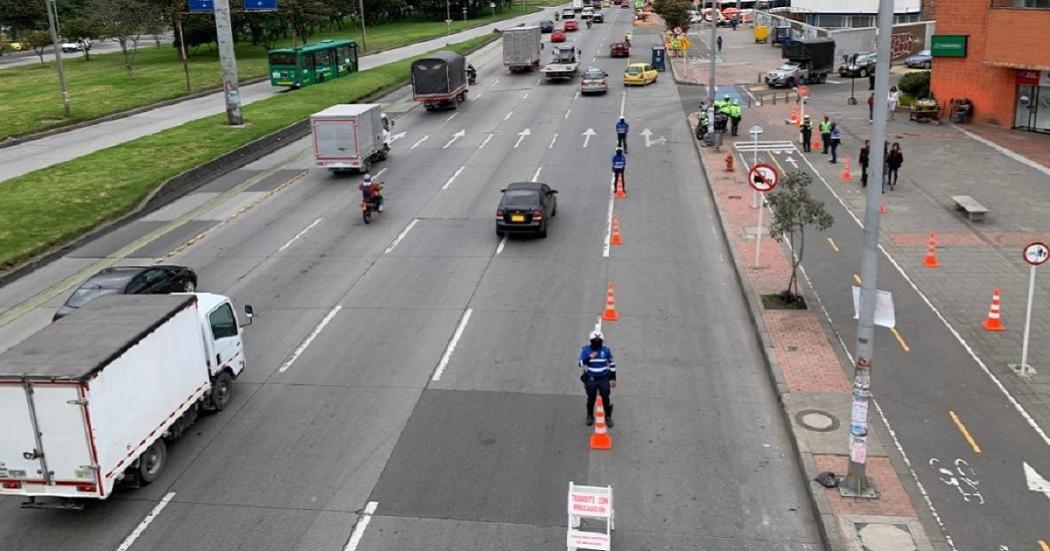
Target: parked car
column 526, row 207
column 546, row 26
column 862, row 66
column 79, row 46
column 558, row 35
column 639, row 73
column 130, row 280
column 594, row 80
column 620, row 49
column 571, row 26
column 921, row 60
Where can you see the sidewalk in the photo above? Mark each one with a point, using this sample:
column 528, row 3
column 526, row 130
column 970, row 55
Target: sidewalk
column 36, row 154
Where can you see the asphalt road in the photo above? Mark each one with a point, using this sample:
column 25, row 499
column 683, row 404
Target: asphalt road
column 441, row 395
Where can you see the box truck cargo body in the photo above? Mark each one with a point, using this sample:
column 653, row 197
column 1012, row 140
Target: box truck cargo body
column 350, row 136
column 88, row 400
column 439, row 80
column 521, row 48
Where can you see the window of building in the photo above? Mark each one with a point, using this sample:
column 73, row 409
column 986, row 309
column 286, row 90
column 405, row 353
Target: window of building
column 830, row 21
column 862, row 21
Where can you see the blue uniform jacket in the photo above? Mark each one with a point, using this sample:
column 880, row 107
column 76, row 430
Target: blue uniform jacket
column 619, row 162
column 621, row 127
column 598, row 364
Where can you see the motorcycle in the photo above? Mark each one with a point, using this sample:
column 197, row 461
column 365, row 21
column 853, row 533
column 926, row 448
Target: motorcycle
column 589, row 22
column 370, row 207
column 701, row 129
column 472, row 76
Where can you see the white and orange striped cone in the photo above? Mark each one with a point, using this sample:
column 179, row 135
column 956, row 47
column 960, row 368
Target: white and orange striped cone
column 600, row 440
column 610, row 313
column 620, row 193
column 993, row 322
column 616, row 238
column 931, row 253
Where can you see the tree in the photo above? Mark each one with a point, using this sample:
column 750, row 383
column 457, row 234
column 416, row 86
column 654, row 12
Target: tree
column 38, row 41
column 23, row 14
column 124, row 20
column 675, row 13
column 793, row 210
column 84, row 29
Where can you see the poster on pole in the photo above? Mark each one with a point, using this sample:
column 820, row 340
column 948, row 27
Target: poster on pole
column 202, row 6
column 884, row 315
column 260, row 5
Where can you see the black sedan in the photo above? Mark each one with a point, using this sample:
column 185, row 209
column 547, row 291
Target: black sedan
column 546, row 26
column 130, row 280
column 526, row 207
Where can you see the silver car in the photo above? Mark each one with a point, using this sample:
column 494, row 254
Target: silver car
column 594, row 81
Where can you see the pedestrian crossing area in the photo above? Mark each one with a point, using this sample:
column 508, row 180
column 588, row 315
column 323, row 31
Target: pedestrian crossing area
column 773, row 146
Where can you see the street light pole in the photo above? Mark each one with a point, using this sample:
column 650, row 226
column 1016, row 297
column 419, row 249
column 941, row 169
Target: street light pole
column 856, row 483
column 52, row 21
column 448, row 18
column 711, row 76
column 228, row 63
column 361, row 10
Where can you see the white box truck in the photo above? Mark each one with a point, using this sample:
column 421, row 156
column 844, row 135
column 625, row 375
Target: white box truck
column 350, row 137
column 90, row 399
column 521, row 48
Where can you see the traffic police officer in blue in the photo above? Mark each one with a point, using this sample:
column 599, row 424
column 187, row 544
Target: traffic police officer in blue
column 599, row 374
column 619, row 165
column 621, row 133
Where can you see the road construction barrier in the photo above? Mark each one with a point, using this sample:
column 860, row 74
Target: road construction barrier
column 590, row 502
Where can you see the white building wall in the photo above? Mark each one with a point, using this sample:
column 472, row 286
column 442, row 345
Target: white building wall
column 853, row 6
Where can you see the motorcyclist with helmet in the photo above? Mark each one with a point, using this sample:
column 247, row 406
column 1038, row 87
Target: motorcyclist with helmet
column 371, row 193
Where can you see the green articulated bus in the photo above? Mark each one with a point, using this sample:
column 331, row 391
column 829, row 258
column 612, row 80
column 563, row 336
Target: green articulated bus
column 312, row 63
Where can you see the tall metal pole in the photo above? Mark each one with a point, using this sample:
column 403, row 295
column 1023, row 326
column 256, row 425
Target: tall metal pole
column 52, row 21
column 361, row 10
column 182, row 50
column 228, row 61
column 1024, row 369
column 448, row 18
column 711, row 75
column 856, row 483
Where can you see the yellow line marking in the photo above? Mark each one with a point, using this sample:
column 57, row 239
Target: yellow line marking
column 833, row 245
column 1044, row 546
column 900, row 339
column 857, row 279
column 776, row 162
column 965, row 433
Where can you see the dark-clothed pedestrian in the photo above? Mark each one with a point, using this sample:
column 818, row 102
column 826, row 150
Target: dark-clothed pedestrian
column 864, row 158
column 871, row 107
column 619, row 167
column 894, row 161
column 598, row 376
column 719, row 44
column 835, row 137
column 807, row 133
column 871, row 80
column 733, row 22
column 621, row 133
column 825, row 133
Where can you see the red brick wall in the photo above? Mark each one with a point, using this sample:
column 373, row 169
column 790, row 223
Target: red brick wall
column 992, row 89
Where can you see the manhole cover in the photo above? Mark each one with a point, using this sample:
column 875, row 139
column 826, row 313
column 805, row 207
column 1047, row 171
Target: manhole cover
column 817, row 420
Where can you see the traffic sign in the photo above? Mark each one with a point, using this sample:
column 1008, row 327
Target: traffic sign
column 755, row 130
column 1036, row 253
column 260, row 5
column 762, row 178
column 201, row 6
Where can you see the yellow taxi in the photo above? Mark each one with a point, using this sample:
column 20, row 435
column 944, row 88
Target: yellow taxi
column 606, row 3
column 639, row 73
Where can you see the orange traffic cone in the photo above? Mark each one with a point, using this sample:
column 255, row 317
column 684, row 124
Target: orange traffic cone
column 993, row 322
column 600, row 440
column 816, row 142
column 846, row 174
column 794, row 115
column 616, row 238
column 620, row 193
column 882, row 207
column 931, row 253
column 610, row 313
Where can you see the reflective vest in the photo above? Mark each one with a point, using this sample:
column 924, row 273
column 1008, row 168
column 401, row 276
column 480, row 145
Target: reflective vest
column 825, row 127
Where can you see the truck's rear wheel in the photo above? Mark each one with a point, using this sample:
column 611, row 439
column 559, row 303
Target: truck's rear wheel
column 152, row 461
column 221, row 391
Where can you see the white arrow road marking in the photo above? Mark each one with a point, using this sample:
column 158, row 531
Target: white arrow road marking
column 648, row 138
column 525, row 95
column 421, row 140
column 453, row 177
column 452, row 345
column 487, row 138
column 310, row 338
column 567, row 114
column 508, row 115
column 587, row 136
column 401, row 235
column 553, row 139
column 521, row 136
column 537, row 174
column 502, row 243
column 397, row 137
column 1036, row 482
column 298, row 235
column 792, row 162
column 623, row 103
column 455, row 137
column 452, row 116
column 359, row 529
column 134, row 535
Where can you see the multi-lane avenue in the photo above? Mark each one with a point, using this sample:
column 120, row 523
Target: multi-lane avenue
column 411, row 384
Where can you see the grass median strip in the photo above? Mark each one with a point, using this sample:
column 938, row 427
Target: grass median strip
column 55, row 205
column 30, row 102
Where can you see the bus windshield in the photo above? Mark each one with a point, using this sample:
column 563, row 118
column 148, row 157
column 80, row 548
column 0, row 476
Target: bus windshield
column 282, row 58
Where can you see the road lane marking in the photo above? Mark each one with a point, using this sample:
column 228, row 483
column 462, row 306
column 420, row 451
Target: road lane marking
column 833, row 245
column 609, row 217
column 452, row 345
column 576, row 95
column 134, row 535
column 567, row 114
column 487, row 138
column 553, row 139
column 401, row 236
column 456, row 136
column 857, row 279
column 537, row 174
column 521, row 136
column 900, row 339
column 452, row 116
column 966, row 433
column 477, row 97
column 1020, row 409
column 623, row 103
column 359, row 529
column 421, row 140
column 508, row 115
column 595, row 58
column 539, row 81
column 298, row 235
column 453, row 177
column 493, row 83
column 380, row 173
column 310, row 338
column 502, row 243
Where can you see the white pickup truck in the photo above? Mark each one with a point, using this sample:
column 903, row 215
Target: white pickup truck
column 91, row 399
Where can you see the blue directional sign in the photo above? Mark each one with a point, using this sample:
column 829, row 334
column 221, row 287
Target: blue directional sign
column 260, row 5
column 202, row 6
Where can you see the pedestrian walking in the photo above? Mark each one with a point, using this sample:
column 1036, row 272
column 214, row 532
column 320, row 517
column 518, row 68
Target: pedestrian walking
column 621, row 133
column 871, row 107
column 894, row 161
column 598, row 376
column 864, row 158
column 734, row 115
column 871, row 80
column 619, row 167
column 835, row 137
column 825, row 133
column 733, row 22
column 719, row 44
column 891, row 101
column 807, row 133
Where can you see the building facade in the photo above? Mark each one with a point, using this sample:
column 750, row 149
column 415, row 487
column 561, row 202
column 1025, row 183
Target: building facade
column 1004, row 68
column 832, row 14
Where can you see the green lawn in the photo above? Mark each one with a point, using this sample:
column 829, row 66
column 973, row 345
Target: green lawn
column 54, row 205
column 30, row 100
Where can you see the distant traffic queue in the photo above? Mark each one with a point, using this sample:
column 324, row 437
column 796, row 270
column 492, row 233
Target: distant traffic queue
column 312, row 63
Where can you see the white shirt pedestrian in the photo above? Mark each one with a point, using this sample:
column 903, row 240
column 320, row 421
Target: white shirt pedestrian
column 892, row 99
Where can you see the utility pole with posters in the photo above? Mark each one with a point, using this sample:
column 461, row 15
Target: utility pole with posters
column 361, row 8
column 228, row 62
column 52, row 21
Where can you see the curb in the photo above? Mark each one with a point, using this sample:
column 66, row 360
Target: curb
column 826, row 521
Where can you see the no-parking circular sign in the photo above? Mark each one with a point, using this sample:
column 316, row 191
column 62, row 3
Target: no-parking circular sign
column 1036, row 253
column 762, row 178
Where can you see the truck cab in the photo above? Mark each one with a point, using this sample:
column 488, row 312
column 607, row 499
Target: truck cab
column 564, row 54
column 222, row 334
